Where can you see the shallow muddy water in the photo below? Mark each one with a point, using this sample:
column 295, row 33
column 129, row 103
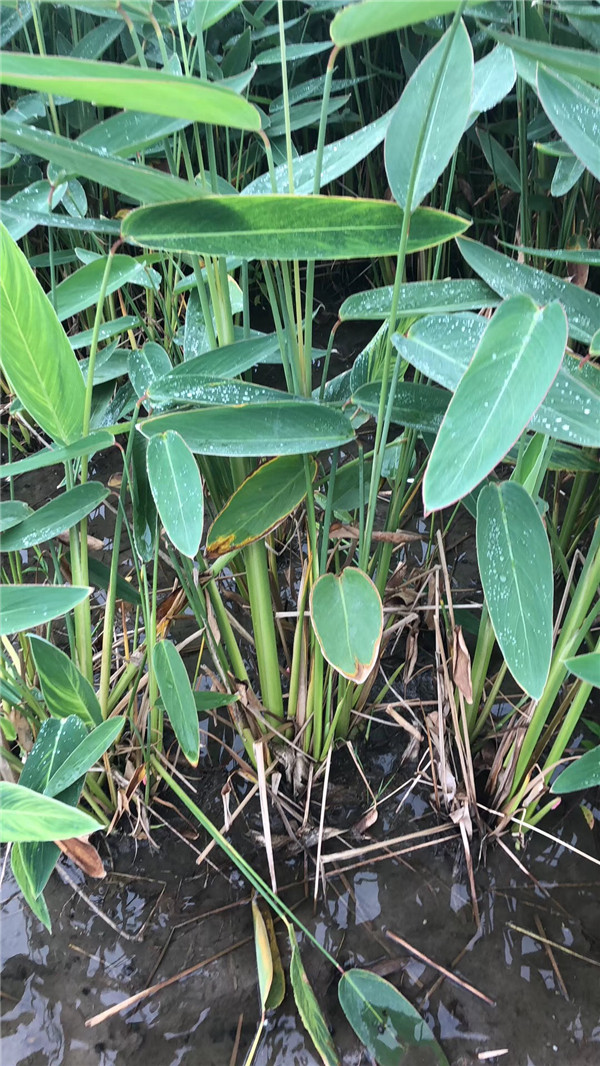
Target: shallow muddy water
column 53, row 984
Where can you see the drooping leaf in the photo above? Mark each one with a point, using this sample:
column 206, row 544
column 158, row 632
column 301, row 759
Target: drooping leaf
column 261, row 502
column 29, row 816
column 512, row 369
column 430, row 118
column 37, row 903
column 64, row 688
column 573, row 108
column 36, row 355
column 288, row 428
column 285, row 227
column 386, row 1023
column 116, row 84
column 56, row 516
column 83, row 757
column 347, row 617
column 308, row 1006
column 25, row 606
column 178, row 698
column 515, row 564
column 177, row 490
column 582, row 774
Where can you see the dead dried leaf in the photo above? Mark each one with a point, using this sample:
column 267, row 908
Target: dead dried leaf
column 461, row 664
column 84, row 855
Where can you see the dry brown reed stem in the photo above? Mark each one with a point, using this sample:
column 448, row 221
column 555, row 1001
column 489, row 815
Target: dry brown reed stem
column 134, row 937
column 441, row 969
column 381, row 845
column 541, row 832
column 259, row 753
column 553, row 944
column 339, row 870
column 550, row 954
column 319, row 871
column 212, row 843
column 152, row 989
column 236, row 1042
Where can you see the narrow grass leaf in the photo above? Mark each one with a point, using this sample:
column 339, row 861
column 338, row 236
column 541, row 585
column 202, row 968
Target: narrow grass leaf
column 83, row 757
column 347, row 617
column 178, row 698
column 515, row 564
column 308, row 1006
column 573, row 108
column 285, row 227
column 386, row 1023
column 36, row 355
column 430, row 118
column 177, row 490
column 582, row 774
column 29, row 816
column 512, row 369
column 289, row 428
column 56, row 516
column 64, row 688
column 26, row 606
column 261, row 502
column 116, row 85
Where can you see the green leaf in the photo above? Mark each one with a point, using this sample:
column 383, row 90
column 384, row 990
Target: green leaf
column 12, row 512
column 503, row 167
column 286, row 227
column 27, row 815
column 54, row 517
column 177, row 490
column 515, row 564
column 26, row 606
column 308, row 1006
column 575, row 61
column 208, row 367
column 573, row 108
column 55, row 740
column 430, row 118
column 178, row 698
column 359, row 22
column 416, row 406
column 264, row 959
column 94, row 442
column 386, row 1023
column 510, row 278
column 289, row 428
column 347, row 617
column 493, row 78
column 583, row 773
column 147, row 365
column 261, row 502
column 139, row 183
column 36, row 355
column 82, row 289
column 419, row 298
column 64, row 688
column 129, row 132
column 586, row 667
column 36, row 903
column 99, row 575
column 512, row 369
column 294, row 53
column 210, row 701
column 116, row 85
column 83, row 757
column 106, row 331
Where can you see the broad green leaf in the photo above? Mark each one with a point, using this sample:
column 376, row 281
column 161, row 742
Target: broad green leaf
column 83, row 757
column 262, row 501
column 82, row 288
column 36, row 903
column 501, row 164
column 573, row 108
column 178, row 698
column 419, row 298
column 106, row 331
column 512, row 369
column 586, row 667
column 29, row 816
column 12, row 512
column 515, row 565
column 139, row 183
column 386, row 1023
column 205, row 13
column 56, row 516
column 359, row 22
column 144, row 508
column 199, row 390
column 110, row 364
column 286, row 227
column 493, row 78
column 577, row 61
column 308, row 1006
column 36, row 355
column 99, row 575
column 416, row 406
column 26, row 606
column 508, row 278
column 583, row 773
column 210, row 701
column 116, row 85
column 294, row 53
column 129, row 132
column 264, row 959
column 147, row 365
column 64, row 688
column 16, row 221
column 290, row 428
column 94, row 442
column 442, row 347
column 430, row 118
column 177, row 490
column 209, row 366
column 347, row 617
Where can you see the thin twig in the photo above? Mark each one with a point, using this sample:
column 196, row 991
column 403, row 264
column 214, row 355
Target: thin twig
column 447, row 973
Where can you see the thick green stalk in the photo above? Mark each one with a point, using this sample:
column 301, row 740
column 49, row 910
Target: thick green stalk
column 483, row 652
